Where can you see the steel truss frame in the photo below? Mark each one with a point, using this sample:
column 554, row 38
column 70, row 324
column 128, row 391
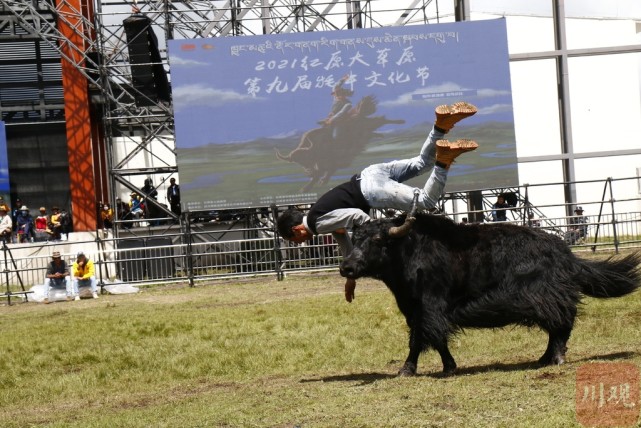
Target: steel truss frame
column 102, row 56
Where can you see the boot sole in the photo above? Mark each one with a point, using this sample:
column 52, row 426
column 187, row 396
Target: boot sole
column 458, row 145
column 448, row 116
column 464, row 145
column 460, row 108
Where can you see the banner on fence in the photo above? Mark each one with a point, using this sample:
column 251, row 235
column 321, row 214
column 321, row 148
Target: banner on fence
column 251, row 112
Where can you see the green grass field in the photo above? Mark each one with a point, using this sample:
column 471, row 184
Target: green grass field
column 264, row 353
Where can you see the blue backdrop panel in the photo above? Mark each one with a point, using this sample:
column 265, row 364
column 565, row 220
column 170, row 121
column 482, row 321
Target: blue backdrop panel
column 4, row 165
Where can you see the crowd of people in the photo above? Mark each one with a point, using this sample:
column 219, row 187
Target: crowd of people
column 19, row 225
column 142, row 205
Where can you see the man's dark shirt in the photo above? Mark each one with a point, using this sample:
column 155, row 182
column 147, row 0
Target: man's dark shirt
column 346, row 195
column 57, row 268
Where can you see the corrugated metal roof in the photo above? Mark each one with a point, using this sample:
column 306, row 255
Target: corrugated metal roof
column 30, row 76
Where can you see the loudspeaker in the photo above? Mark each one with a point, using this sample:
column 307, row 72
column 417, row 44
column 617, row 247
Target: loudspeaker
column 475, row 203
column 91, row 66
column 147, row 72
column 511, row 198
column 160, row 260
column 132, row 265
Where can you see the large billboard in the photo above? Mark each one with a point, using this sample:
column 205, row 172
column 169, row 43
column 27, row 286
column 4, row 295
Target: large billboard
column 251, row 113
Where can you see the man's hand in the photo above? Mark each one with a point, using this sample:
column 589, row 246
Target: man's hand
column 350, row 286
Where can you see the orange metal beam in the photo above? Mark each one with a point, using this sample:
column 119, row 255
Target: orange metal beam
column 78, row 116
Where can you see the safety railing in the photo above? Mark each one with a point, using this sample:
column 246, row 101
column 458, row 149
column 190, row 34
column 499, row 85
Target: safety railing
column 176, row 258
column 169, row 253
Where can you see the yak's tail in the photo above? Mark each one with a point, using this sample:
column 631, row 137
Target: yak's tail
column 611, row 277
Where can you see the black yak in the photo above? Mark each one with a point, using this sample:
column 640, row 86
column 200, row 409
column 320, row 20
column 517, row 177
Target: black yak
column 447, row 277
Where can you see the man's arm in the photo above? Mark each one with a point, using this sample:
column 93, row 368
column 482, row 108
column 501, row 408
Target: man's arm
column 89, row 271
column 7, row 224
column 74, row 270
column 50, row 273
column 338, row 222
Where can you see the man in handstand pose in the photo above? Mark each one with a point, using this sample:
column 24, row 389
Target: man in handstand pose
column 380, row 186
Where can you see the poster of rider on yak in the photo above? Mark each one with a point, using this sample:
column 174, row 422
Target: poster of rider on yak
column 280, row 119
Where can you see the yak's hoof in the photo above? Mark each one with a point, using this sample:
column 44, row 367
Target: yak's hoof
column 555, row 360
column 449, row 370
column 408, row 369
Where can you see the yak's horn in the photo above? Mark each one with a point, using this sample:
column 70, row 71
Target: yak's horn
column 402, row 230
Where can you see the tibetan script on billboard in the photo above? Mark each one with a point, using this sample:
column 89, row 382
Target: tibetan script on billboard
column 252, row 113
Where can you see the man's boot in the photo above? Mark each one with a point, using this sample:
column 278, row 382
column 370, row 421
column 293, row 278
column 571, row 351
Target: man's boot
column 448, row 116
column 447, row 151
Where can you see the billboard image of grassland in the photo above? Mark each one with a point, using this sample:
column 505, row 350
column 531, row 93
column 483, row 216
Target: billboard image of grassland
column 280, row 119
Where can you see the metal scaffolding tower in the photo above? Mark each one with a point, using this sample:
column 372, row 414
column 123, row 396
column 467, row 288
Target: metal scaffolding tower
column 138, row 130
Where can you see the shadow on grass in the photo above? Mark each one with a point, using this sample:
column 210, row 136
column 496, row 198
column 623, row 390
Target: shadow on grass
column 363, row 378
column 612, row 356
column 526, row 365
column 368, row 378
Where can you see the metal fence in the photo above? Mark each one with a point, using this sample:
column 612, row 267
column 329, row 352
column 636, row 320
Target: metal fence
column 249, row 246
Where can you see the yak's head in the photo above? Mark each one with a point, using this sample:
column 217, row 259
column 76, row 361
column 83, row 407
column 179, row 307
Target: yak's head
column 373, row 243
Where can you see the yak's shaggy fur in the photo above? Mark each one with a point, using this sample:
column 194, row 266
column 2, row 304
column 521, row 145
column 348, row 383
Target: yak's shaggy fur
column 446, row 277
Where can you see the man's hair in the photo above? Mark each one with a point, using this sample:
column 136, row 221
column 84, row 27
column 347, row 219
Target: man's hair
column 287, row 220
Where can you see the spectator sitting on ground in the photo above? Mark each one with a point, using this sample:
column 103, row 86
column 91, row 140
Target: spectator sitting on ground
column 83, row 273
column 57, row 272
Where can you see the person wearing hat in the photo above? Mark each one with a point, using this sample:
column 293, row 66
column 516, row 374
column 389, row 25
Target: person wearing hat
column 3, row 204
column 83, row 273
column 57, row 272
column 6, row 225
column 136, row 207
column 340, row 108
column 42, row 225
column 24, row 223
column 578, row 228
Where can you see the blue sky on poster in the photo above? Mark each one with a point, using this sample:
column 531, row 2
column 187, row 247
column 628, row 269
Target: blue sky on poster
column 212, row 78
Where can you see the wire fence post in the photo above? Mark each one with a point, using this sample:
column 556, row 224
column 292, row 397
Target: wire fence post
column 186, row 239
column 614, row 220
column 278, row 256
